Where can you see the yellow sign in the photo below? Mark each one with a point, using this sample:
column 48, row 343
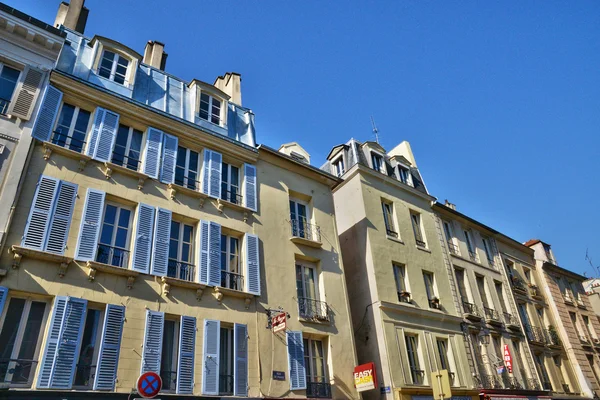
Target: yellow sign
column 440, row 381
column 365, row 377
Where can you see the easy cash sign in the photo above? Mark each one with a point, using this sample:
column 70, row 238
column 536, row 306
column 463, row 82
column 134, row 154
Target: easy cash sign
column 365, row 377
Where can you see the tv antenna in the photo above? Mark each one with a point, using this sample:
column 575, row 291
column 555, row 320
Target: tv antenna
column 375, row 130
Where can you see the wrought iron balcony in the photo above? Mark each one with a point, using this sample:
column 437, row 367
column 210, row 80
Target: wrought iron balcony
column 532, row 384
column 510, row 319
column 535, row 334
column 128, row 162
column 490, row 382
column 17, row 372
column 111, row 255
column 181, row 270
column 226, row 385
column 187, row 181
column 84, row 375
column 471, row 309
column 552, row 335
column 232, row 196
column 490, row 313
column 313, row 309
column 453, row 248
column 231, row 280
column 518, row 284
column 535, row 291
column 62, row 139
column 318, row 390
column 417, row 375
column 304, row 230
column 169, row 380
column 391, row 233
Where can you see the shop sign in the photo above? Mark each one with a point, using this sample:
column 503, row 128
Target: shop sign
column 365, row 377
column 507, row 359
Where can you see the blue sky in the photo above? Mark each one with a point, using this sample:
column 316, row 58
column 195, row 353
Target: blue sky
column 499, row 100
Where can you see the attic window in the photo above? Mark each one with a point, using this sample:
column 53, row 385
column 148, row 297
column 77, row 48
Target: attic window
column 210, row 108
column 377, row 162
column 404, row 174
column 113, row 67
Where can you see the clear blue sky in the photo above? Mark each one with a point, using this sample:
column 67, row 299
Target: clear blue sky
column 499, row 100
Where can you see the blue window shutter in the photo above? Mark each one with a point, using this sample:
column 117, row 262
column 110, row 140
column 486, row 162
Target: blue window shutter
column 214, row 254
column 143, row 238
column 106, row 136
column 61, row 218
column 295, row 347
column 206, row 172
column 152, row 152
column 155, row 322
column 95, row 133
column 89, row 230
column 167, row 172
column 44, row 123
column 38, row 222
column 162, row 234
column 210, row 373
column 110, row 346
column 3, row 296
column 252, row 261
column 216, row 166
column 187, row 349
column 203, row 253
column 240, row 367
column 249, row 189
column 52, row 339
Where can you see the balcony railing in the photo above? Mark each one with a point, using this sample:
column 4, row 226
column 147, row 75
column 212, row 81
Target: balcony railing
column 69, row 142
column 532, row 384
column 181, row 270
column 552, row 335
column 226, row 385
column 232, row 280
column 84, row 375
column 511, row 382
column 490, row 313
column 518, row 283
column 304, row 230
column 473, row 256
column 17, row 372
column 318, row 388
column 535, row 334
column 169, row 380
column 452, row 248
column 418, row 376
column 232, row 196
column 404, row 296
column 4, row 106
column 490, row 382
column 313, row 309
column 111, row 255
column 471, row 309
column 128, row 162
column 510, row 319
column 186, row 181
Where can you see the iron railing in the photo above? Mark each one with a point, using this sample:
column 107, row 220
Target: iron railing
column 535, row 291
column 318, row 390
column 452, row 248
column 111, row 255
column 181, row 270
column 169, row 380
column 420, row 242
column 18, row 372
column 553, row 338
column 535, row 334
column 186, row 181
column 84, row 375
column 470, row 308
column 61, row 139
column 231, row 196
column 4, row 106
column 532, row 384
column 490, row 382
column 473, row 256
column 418, row 376
column 226, row 385
column 490, row 313
column 125, row 161
column 511, row 382
column 391, row 233
column 231, row 280
column 313, row 309
column 510, row 319
column 302, row 229
column 518, row 283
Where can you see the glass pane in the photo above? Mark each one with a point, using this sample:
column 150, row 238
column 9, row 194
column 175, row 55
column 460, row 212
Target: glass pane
column 10, row 328
column 181, row 154
column 64, row 123
column 185, row 252
column 204, row 106
column 106, row 64
column 32, row 330
column 235, row 176
column 124, row 217
column 135, row 147
column 188, row 231
column 121, row 238
column 299, row 282
column 8, row 82
column 81, row 125
column 193, row 162
column 167, row 371
column 110, row 214
column 234, row 255
column 309, row 276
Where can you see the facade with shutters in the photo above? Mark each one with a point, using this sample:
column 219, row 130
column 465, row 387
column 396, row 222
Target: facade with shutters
column 153, row 234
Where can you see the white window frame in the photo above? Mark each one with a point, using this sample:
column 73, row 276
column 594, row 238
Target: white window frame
column 113, row 70
column 116, row 224
column 419, row 357
column 227, row 252
column 186, row 169
column 336, row 162
column 487, row 247
column 308, row 228
column 403, row 167
column 227, row 171
column 433, row 285
column 308, row 348
column 128, row 146
column 304, row 266
column 99, row 330
column 72, row 125
column 450, row 236
column 180, row 241
column 210, row 106
column 12, row 96
column 468, row 292
column 174, row 359
column 382, row 157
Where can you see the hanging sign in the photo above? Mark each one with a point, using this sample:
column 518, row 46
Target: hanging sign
column 365, row 377
column 507, row 359
column 278, row 322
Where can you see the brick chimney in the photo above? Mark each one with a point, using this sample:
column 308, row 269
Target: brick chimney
column 231, row 83
column 154, row 55
column 72, row 15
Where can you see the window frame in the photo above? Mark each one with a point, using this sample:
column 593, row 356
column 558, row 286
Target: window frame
column 451, row 239
column 303, row 266
column 418, row 231
column 127, row 149
column 211, row 96
column 115, row 227
column 401, row 281
column 226, row 169
column 375, row 153
column 430, row 290
column 175, row 343
column 487, row 247
column 97, row 342
column 187, row 169
column 72, row 124
column 308, row 369
column 115, row 63
column 336, row 162
column 4, row 109
column 411, row 341
column 229, row 363
column 227, row 267
column 180, row 241
column 470, row 243
column 389, row 219
column 408, row 179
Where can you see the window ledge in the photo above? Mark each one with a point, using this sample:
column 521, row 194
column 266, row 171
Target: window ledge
column 20, row 252
column 393, row 239
column 306, row 242
column 167, row 282
column 219, row 292
column 318, row 321
column 50, row 148
column 472, row 317
column 109, row 168
column 224, row 203
column 175, row 188
column 425, row 249
column 94, row 267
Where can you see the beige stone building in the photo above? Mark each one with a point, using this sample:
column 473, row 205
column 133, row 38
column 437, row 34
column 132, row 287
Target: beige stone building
column 153, row 234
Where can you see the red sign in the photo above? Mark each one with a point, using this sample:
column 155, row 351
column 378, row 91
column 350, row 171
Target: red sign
column 149, row 384
column 365, row 377
column 279, row 322
column 507, row 359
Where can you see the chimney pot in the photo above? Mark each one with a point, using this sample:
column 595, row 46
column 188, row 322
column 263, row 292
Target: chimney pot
column 72, row 15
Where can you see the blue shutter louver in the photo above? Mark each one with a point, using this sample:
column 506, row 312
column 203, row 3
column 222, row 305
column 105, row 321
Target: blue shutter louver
column 295, row 347
column 44, row 122
column 38, row 222
column 155, row 321
column 60, row 303
column 162, row 234
column 3, row 296
column 203, row 253
column 95, row 132
column 106, row 136
column 252, row 260
column 110, row 346
column 210, row 373
column 143, row 238
column 187, row 348
column 167, row 172
column 240, row 370
column 61, row 218
column 152, row 152
column 214, row 254
column 249, row 189
column 89, row 230
column 211, row 173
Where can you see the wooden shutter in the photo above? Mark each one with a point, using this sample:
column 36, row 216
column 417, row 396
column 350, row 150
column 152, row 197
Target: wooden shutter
column 38, row 222
column 295, row 347
column 203, row 253
column 3, row 296
column 143, row 238
column 214, row 254
column 167, row 172
column 187, row 348
column 252, row 261
column 110, row 346
column 162, row 234
column 211, row 173
column 210, row 373
column 106, row 136
column 26, row 93
column 44, row 123
column 240, row 367
column 95, row 133
column 152, row 152
column 89, row 229
column 61, row 218
column 155, row 321
column 249, row 188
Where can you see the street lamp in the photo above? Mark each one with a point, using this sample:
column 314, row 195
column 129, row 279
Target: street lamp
column 484, row 337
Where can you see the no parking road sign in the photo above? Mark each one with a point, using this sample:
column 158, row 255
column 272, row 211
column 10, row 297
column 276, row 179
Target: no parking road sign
column 149, row 384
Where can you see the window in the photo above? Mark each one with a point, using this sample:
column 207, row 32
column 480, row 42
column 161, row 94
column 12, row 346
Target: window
column 377, row 162
column 589, row 327
column 21, row 336
column 452, row 247
column 181, row 251
column 430, row 289
column 186, row 168
column 541, row 367
column 308, row 292
column 481, row 288
column 168, row 360
column 460, row 283
column 400, row 279
column 314, row 361
column 523, row 313
column 548, row 253
column 226, row 360
column 487, row 246
column 445, row 359
column 388, row 218
column 590, row 358
column 71, row 128
column 416, row 225
column 231, row 276
column 113, row 248
column 230, row 184
column 517, row 357
column 471, row 245
column 558, row 363
column 128, row 146
column 500, row 293
column 113, row 67
column 404, row 175
column 338, row 166
column 210, row 108
column 412, row 348
column 8, row 81
column 527, row 273
column 299, row 216
column 85, row 368
column 578, row 327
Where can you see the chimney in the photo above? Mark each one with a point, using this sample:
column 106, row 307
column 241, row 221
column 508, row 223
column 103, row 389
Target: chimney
column 154, row 55
column 231, row 83
column 72, row 15
column 450, row 205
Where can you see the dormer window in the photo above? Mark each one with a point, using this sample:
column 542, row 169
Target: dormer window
column 338, row 167
column 404, row 174
column 377, row 162
column 113, row 67
column 210, row 108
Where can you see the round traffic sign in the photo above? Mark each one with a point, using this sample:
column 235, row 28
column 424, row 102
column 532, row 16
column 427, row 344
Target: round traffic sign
column 149, row 384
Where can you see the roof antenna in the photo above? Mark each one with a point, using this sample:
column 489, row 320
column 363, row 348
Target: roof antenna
column 375, row 130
